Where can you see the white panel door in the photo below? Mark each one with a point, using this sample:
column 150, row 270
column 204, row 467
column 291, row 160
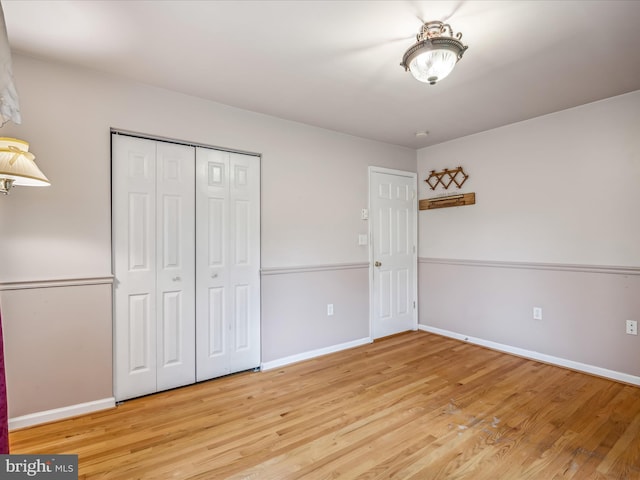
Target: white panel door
column 393, row 217
column 135, row 298
column 228, row 263
column 244, row 271
column 175, row 261
column 212, row 252
column 154, row 265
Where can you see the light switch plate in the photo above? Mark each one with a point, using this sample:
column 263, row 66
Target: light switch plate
column 537, row 313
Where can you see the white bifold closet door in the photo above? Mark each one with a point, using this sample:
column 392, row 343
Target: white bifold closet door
column 186, row 249
column 154, row 265
column 227, row 262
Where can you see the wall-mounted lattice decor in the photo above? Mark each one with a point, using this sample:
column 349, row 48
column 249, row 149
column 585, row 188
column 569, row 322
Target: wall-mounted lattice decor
column 446, row 177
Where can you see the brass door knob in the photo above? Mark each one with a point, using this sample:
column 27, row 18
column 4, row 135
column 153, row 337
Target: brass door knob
column 378, row 264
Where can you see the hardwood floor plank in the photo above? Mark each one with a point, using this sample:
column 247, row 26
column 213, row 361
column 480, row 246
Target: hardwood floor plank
column 415, row 405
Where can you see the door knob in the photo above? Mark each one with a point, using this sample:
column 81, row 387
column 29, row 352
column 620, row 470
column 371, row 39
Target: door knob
column 214, row 275
column 378, row 264
column 176, row 279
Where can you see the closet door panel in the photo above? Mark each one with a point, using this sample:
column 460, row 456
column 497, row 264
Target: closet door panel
column 140, row 359
column 212, row 253
column 134, row 258
column 241, row 318
column 172, row 325
column 216, row 325
column 138, row 220
column 244, row 273
column 175, row 266
column 242, row 233
column 215, row 242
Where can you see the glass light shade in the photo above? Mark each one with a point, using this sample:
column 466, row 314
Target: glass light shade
column 17, row 164
column 435, row 53
column 432, row 66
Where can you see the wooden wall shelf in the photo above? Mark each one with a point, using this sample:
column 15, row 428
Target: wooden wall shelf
column 448, row 201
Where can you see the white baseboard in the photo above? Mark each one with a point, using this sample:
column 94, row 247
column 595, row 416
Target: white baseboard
column 521, row 352
column 60, row 413
column 314, row 353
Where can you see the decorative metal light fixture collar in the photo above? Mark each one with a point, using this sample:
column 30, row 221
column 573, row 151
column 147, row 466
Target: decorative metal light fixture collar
column 435, row 53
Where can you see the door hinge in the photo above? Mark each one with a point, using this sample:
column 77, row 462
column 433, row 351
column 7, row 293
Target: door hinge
column 414, row 304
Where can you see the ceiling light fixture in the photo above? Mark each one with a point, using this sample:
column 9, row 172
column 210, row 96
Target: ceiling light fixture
column 17, row 166
column 435, row 53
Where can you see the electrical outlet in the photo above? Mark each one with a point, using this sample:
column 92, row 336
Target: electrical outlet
column 329, row 309
column 632, row 327
column 537, row 313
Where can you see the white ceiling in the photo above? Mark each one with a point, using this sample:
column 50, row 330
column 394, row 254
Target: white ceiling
column 335, row 64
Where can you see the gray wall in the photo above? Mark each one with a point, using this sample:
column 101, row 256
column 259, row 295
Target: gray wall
column 57, row 346
column 314, row 184
column 296, row 302
column 557, row 199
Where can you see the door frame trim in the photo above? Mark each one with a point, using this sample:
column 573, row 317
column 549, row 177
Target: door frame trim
column 406, row 174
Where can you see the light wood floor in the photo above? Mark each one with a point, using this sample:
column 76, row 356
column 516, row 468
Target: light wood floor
column 414, row 406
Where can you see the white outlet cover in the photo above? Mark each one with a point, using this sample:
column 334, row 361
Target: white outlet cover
column 632, row 327
column 537, row 313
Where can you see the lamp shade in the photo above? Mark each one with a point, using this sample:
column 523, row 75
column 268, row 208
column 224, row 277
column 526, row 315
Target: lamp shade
column 17, row 164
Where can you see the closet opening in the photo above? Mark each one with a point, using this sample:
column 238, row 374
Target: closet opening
column 186, row 262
